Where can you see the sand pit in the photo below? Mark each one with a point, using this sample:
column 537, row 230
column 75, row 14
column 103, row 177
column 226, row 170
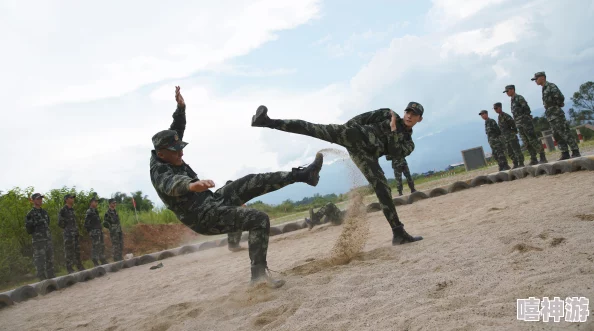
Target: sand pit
column 483, row 248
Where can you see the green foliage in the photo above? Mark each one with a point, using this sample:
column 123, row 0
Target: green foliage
column 125, row 202
column 583, row 101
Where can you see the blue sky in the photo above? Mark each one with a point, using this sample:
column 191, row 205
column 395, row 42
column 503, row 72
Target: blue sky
column 85, row 85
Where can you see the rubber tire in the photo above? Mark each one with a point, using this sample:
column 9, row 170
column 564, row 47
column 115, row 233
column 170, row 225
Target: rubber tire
column 290, row 227
column 84, row 276
column 544, row 169
column 517, row 174
column 46, row 286
column 207, row 245
column 582, row 163
column 458, row 186
column 5, row 300
column 373, row 207
column 165, row 255
column 66, row 281
column 418, row 195
column 191, row 249
column 146, row 259
column 23, row 293
column 399, row 202
column 561, row 167
column 480, row 180
column 275, row 230
column 99, row 271
column 437, row 192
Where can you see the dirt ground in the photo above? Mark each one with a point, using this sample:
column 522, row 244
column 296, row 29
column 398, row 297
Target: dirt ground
column 483, row 248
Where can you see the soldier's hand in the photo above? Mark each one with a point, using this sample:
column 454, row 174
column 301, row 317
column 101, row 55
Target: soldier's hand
column 393, row 121
column 178, row 97
column 201, row 185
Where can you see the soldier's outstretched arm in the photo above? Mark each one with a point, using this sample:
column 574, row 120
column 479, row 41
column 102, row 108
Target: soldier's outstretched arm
column 370, row 117
column 399, row 144
column 179, row 116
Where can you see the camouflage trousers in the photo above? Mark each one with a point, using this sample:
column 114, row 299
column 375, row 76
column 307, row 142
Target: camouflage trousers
column 398, row 171
column 498, row 149
column 528, row 135
column 98, row 251
column 117, row 242
column 561, row 130
column 72, row 250
column 225, row 214
column 364, row 147
column 514, row 150
column 43, row 258
column 329, row 213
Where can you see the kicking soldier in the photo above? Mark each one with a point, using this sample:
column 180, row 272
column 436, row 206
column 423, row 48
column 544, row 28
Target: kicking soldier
column 213, row 213
column 37, row 225
column 367, row 137
column 553, row 100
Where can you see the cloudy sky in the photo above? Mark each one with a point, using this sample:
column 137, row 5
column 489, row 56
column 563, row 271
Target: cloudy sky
column 84, row 85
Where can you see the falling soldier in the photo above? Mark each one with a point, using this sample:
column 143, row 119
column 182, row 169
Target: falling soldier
column 495, row 140
column 93, row 227
column 509, row 133
column 400, row 167
column 67, row 221
column 111, row 221
column 327, row 213
column 367, row 137
column 553, row 100
column 37, row 224
column 213, row 213
column 523, row 118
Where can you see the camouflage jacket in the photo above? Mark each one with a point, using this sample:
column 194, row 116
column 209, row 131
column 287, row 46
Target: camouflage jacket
column 519, row 107
column 397, row 144
column 37, row 224
column 492, row 129
column 67, row 220
column 507, row 124
column 399, row 163
column 111, row 220
column 552, row 96
column 172, row 182
column 92, row 219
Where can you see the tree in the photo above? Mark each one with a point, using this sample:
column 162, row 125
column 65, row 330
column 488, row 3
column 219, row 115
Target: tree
column 583, row 101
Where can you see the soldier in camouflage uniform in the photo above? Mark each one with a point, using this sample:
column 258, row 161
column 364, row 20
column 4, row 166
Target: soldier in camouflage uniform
column 509, row 133
column 37, row 225
column 367, row 137
column 400, row 166
column 495, row 140
column 553, row 100
column 213, row 213
column 93, row 227
column 328, row 213
column 67, row 221
column 111, row 221
column 523, row 118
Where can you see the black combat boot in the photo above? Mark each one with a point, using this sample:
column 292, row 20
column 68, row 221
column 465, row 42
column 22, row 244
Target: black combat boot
column 234, row 247
column 103, row 262
column 259, row 273
column 516, row 166
column 543, row 158
column 402, row 237
column 505, row 166
column 533, row 160
column 70, row 270
column 310, row 174
column 400, row 193
column 575, row 153
column 564, row 156
column 80, row 267
column 95, row 262
column 261, row 118
column 412, row 190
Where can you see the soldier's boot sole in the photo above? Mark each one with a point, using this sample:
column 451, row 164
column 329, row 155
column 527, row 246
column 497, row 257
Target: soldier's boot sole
column 402, row 237
column 310, row 174
column 261, row 118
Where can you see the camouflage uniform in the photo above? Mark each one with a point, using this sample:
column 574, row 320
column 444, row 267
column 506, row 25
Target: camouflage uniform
column 509, row 133
column 522, row 116
column 328, row 213
column 401, row 166
column 496, row 142
column 213, row 213
column 111, row 221
column 67, row 221
column 37, row 225
column 93, row 227
column 233, row 238
column 553, row 100
column 367, row 137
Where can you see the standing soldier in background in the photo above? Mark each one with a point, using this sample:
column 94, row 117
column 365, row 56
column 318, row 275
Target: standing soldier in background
column 553, row 100
column 400, row 166
column 523, row 118
column 494, row 136
column 111, row 221
column 67, row 221
column 509, row 132
column 93, row 226
column 37, row 225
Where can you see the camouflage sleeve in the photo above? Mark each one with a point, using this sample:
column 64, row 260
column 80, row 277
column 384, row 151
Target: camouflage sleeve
column 61, row 219
column 106, row 220
column 179, row 121
column 29, row 223
column 399, row 146
column 525, row 109
column 370, row 117
column 557, row 98
column 171, row 184
column 509, row 121
column 88, row 218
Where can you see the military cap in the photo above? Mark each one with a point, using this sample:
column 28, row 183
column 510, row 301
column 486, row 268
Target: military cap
column 37, row 195
column 538, row 74
column 508, row 87
column 94, row 198
column 496, row 105
column 111, row 200
column 416, row 107
column 168, row 139
column 483, row 112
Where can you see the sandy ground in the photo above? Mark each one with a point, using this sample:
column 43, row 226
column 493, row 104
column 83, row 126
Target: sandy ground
column 484, row 248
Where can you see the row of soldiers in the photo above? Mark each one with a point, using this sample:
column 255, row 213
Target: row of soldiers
column 37, row 223
column 504, row 135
